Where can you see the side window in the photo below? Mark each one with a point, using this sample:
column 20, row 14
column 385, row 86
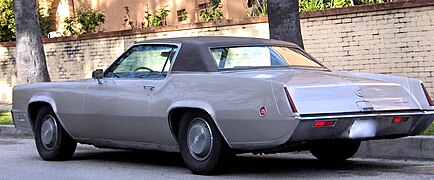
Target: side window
column 238, row 57
column 261, row 56
column 143, row 61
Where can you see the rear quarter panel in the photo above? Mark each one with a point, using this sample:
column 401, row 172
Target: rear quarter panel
column 234, row 104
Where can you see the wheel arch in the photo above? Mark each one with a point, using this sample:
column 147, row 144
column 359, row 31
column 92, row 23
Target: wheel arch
column 35, row 104
column 177, row 110
column 33, row 109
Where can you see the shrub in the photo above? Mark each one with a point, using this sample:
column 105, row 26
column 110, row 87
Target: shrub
column 213, row 11
column 7, row 21
column 159, row 19
column 429, row 131
column 87, row 21
column 309, row 5
column 47, row 20
column 5, row 117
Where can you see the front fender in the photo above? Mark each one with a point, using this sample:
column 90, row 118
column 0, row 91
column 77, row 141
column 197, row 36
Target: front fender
column 44, row 99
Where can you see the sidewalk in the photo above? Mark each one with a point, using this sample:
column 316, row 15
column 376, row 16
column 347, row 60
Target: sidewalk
column 6, row 107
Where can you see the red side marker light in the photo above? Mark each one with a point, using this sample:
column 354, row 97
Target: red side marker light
column 262, row 111
column 400, row 119
column 323, row 123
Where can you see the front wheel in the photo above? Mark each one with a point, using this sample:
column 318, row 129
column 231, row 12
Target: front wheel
column 52, row 141
column 202, row 147
column 334, row 150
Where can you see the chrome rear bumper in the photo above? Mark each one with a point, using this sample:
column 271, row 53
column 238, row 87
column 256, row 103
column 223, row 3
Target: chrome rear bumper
column 385, row 127
column 363, row 115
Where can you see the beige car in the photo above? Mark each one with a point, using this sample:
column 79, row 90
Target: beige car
column 211, row 98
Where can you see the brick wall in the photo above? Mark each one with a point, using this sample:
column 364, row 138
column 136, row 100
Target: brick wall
column 8, row 73
column 398, row 42
column 392, row 38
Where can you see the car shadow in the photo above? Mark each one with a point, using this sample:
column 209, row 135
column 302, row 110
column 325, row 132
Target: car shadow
column 139, row 157
column 246, row 164
column 293, row 164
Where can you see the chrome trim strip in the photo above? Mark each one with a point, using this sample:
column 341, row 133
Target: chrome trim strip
column 343, row 116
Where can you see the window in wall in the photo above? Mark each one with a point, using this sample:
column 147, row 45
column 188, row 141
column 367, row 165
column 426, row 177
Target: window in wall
column 202, row 6
column 182, row 15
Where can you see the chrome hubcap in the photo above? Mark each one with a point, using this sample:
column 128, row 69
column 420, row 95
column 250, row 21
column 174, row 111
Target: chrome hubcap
column 199, row 139
column 49, row 132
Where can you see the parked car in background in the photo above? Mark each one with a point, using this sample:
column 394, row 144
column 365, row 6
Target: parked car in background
column 211, row 98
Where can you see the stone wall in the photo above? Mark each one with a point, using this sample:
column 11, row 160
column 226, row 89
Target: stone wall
column 393, row 38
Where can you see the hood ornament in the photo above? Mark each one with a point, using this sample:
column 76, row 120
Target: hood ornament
column 359, row 92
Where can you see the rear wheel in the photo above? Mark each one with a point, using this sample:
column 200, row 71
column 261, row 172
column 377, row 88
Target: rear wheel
column 335, row 150
column 52, row 141
column 202, row 147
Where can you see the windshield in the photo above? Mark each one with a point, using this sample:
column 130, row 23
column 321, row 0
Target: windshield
column 261, row 56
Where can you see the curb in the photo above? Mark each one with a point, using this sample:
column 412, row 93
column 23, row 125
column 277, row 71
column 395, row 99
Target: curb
column 414, row 148
column 11, row 131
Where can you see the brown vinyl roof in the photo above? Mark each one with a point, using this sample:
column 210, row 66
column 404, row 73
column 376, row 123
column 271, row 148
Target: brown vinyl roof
column 194, row 54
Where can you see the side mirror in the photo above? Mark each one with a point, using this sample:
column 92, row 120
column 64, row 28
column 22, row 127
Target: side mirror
column 98, row 74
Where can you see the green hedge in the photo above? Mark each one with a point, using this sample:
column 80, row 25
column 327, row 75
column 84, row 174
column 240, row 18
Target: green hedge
column 5, row 117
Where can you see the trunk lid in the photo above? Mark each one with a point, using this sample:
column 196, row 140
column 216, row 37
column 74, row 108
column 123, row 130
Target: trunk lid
column 317, row 92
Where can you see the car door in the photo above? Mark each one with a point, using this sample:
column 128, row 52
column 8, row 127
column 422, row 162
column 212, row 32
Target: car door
column 117, row 107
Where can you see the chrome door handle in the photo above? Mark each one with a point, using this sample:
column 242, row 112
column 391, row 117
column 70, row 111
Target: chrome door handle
column 151, row 88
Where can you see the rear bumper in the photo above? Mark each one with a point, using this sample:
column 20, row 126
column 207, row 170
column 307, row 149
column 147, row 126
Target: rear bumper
column 383, row 125
column 304, row 131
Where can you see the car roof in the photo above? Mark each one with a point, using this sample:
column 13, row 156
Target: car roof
column 194, row 54
column 219, row 41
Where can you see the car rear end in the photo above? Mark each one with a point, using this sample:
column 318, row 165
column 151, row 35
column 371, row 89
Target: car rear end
column 342, row 106
column 326, row 105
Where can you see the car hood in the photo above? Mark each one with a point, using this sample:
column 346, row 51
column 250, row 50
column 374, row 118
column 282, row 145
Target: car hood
column 317, row 92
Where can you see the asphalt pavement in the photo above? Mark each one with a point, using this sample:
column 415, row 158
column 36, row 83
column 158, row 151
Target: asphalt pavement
column 19, row 160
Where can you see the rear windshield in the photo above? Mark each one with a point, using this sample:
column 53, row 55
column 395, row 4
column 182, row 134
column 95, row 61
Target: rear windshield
column 261, row 56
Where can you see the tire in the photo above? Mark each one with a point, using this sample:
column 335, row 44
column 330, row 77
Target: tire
column 334, row 151
column 208, row 152
column 52, row 141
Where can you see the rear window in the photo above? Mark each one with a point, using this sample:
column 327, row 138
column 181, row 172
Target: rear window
column 261, row 56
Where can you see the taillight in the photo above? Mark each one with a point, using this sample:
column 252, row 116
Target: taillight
column 324, row 123
column 400, row 119
column 291, row 103
column 427, row 96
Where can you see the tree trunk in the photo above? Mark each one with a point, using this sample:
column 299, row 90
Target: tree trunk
column 30, row 59
column 284, row 21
